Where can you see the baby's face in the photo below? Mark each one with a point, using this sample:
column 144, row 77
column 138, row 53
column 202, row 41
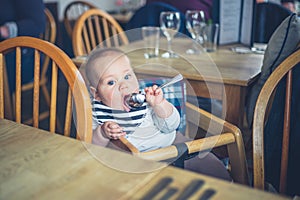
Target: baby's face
column 116, row 81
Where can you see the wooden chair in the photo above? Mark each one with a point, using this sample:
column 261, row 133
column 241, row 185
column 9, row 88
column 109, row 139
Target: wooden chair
column 50, row 36
column 51, row 28
column 60, row 64
column 96, row 27
column 221, row 133
column 72, row 11
column 261, row 115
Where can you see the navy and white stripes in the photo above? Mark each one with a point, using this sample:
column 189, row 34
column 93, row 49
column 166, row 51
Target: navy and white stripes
column 128, row 120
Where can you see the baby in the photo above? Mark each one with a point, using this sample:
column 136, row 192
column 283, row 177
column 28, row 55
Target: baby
column 149, row 127
column 111, row 79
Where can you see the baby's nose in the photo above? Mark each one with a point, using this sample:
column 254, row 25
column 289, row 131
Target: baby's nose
column 123, row 86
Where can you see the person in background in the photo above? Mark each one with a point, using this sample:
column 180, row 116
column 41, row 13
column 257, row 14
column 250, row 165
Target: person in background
column 184, row 5
column 151, row 126
column 21, row 18
column 289, row 4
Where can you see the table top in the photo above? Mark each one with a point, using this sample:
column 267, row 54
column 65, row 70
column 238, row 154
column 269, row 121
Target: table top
column 36, row 164
column 223, row 66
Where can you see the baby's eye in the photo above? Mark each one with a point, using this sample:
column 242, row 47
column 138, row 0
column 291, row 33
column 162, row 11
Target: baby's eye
column 127, row 76
column 111, row 82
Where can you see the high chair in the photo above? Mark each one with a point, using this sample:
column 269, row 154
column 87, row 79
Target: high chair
column 219, row 133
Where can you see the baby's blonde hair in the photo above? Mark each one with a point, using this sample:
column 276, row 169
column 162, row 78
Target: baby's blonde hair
column 99, row 53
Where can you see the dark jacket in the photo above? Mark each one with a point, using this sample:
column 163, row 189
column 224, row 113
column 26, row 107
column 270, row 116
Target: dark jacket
column 27, row 14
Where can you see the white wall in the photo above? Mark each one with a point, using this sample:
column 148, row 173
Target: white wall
column 108, row 5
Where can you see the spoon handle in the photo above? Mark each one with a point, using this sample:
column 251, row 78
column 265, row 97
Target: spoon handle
column 175, row 79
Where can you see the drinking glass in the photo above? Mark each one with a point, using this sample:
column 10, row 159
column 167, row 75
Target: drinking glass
column 169, row 24
column 195, row 23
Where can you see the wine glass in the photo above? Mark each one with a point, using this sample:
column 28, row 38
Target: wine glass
column 195, row 23
column 169, row 24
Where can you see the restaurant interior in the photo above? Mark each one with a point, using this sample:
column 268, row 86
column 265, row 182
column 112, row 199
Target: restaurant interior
column 229, row 68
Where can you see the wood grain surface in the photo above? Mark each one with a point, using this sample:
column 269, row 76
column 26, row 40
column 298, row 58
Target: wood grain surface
column 37, row 164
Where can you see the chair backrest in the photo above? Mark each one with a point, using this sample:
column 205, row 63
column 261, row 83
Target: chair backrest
column 72, row 11
column 62, row 66
column 268, row 17
column 148, row 15
column 282, row 43
column 51, row 29
column 49, row 35
column 274, row 124
column 96, row 28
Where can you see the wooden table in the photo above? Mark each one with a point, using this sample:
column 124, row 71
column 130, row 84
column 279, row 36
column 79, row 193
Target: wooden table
column 36, row 164
column 222, row 75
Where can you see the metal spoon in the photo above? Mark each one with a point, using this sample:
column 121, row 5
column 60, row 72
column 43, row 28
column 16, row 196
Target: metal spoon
column 136, row 100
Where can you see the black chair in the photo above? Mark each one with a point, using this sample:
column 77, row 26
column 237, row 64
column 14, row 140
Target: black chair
column 268, row 16
column 268, row 133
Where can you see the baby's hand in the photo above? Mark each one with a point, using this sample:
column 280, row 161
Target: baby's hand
column 112, row 130
column 154, row 95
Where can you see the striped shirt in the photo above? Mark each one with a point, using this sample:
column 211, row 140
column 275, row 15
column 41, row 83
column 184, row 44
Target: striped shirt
column 128, row 120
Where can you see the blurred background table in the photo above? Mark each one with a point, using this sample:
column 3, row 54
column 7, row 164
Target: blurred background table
column 37, row 164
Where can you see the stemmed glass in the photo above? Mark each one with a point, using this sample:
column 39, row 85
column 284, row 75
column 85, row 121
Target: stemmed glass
column 169, row 24
column 195, row 23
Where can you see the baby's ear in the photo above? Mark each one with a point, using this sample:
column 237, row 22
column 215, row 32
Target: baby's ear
column 93, row 91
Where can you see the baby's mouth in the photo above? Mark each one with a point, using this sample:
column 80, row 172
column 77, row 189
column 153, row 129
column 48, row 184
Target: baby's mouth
column 125, row 102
